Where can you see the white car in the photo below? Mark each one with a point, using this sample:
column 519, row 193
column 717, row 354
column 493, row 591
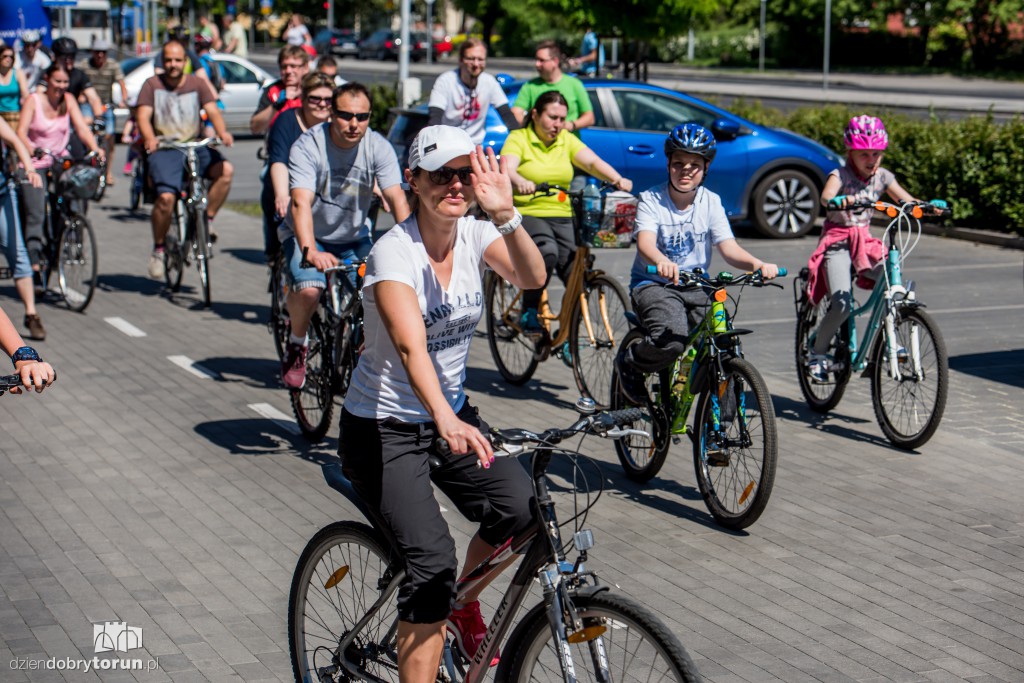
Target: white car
column 243, row 82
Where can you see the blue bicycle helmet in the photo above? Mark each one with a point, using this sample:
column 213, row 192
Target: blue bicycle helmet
column 693, row 138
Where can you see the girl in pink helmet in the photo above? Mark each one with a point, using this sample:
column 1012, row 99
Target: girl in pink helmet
column 845, row 240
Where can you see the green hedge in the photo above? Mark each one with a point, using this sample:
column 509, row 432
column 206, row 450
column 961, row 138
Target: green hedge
column 975, row 163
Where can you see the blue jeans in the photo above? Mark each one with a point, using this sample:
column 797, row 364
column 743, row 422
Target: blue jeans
column 303, row 278
column 10, row 232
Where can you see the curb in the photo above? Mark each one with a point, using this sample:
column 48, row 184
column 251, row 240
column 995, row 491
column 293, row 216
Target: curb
column 979, row 236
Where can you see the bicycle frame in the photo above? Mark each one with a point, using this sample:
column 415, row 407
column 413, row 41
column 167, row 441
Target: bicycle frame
column 543, row 558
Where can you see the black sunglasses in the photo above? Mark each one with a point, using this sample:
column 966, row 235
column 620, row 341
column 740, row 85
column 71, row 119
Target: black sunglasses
column 444, row 175
column 318, row 101
column 348, row 116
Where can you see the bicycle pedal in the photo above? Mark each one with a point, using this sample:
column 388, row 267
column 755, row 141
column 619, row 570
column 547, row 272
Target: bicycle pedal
column 541, row 349
column 717, row 458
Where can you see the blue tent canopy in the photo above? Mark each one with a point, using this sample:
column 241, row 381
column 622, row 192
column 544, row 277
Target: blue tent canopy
column 18, row 16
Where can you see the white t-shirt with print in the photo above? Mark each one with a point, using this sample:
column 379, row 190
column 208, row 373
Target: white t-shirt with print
column 684, row 235
column 466, row 107
column 380, row 386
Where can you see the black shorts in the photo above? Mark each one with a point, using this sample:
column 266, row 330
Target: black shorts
column 387, row 463
column 166, row 168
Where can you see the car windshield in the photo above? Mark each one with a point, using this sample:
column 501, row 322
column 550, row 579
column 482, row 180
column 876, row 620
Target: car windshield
column 643, row 110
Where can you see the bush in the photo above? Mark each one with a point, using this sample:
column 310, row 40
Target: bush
column 975, row 163
column 384, row 98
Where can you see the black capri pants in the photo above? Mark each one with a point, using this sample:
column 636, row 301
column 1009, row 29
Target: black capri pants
column 556, row 240
column 387, row 463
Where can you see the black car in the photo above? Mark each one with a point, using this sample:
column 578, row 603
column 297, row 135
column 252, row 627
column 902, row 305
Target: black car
column 340, row 42
column 384, row 44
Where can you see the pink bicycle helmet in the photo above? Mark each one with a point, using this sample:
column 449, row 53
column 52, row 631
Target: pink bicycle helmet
column 866, row 132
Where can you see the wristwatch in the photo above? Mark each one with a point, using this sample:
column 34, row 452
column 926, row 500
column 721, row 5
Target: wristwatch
column 25, row 353
column 513, row 223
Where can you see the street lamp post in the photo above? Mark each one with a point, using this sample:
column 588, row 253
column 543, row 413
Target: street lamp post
column 430, row 31
column 828, row 36
column 760, row 51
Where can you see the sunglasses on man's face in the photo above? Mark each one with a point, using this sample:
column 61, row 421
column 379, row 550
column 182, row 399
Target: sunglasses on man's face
column 348, row 115
column 444, row 175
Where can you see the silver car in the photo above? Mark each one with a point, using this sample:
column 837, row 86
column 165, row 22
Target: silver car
column 243, row 82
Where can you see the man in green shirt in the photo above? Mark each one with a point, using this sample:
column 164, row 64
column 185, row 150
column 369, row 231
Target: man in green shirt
column 550, row 77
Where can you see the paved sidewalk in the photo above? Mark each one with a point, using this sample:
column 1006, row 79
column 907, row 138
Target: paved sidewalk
column 160, row 484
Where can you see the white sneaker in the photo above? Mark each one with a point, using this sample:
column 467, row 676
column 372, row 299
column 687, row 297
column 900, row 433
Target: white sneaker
column 156, row 265
column 817, row 368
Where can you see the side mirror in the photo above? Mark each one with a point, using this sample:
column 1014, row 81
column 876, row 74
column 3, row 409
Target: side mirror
column 725, row 130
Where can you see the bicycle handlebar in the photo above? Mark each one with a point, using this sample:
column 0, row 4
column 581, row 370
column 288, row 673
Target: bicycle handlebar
column 8, row 382
column 723, row 279
column 182, row 146
column 549, row 189
column 604, row 424
column 344, row 266
column 935, row 207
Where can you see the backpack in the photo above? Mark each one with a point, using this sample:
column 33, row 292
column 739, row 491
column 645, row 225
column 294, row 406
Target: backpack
column 213, row 71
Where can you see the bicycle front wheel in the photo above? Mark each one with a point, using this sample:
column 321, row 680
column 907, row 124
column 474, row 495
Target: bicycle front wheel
column 202, row 253
column 910, row 408
column 642, row 456
column 598, row 326
column 634, row 646
column 314, row 402
column 341, row 573
column 513, row 351
column 821, row 397
column 736, row 448
column 174, row 262
column 76, row 262
column 279, row 322
column 135, row 188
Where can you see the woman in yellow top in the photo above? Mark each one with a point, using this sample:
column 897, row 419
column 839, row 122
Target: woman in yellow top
column 541, row 153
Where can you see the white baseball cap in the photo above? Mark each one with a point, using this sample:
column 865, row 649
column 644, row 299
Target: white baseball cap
column 435, row 146
column 30, row 36
column 100, row 45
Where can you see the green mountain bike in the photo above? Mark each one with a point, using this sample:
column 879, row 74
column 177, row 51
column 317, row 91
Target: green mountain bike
column 735, row 445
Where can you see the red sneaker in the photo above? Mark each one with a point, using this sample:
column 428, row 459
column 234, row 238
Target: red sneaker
column 293, row 366
column 467, row 627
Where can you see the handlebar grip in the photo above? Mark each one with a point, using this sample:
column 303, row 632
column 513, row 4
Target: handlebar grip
column 441, row 446
column 10, row 381
column 542, row 187
column 626, row 416
column 939, row 203
column 783, row 272
column 652, row 270
column 836, row 202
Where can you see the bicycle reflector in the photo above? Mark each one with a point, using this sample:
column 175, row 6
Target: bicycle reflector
column 721, row 295
column 65, row 165
column 335, row 578
column 586, row 634
column 916, row 212
column 562, row 196
column 361, row 270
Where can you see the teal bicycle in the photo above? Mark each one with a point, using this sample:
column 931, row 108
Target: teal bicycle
column 902, row 350
column 735, row 441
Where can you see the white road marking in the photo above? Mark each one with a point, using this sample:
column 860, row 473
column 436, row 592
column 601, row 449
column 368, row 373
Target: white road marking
column 125, row 326
column 276, row 416
column 193, row 367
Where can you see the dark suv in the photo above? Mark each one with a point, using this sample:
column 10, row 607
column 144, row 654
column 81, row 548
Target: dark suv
column 384, row 44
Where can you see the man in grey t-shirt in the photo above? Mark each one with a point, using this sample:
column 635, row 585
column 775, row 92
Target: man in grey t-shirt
column 332, row 170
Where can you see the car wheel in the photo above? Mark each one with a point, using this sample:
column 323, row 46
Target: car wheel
column 785, row 204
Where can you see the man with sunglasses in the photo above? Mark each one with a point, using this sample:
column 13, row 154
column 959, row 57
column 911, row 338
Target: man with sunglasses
column 462, row 97
column 284, row 93
column 332, row 170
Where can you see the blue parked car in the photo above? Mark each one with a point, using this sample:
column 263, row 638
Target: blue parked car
column 772, row 177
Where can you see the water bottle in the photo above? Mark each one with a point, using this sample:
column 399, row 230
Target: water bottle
column 685, row 363
column 591, row 208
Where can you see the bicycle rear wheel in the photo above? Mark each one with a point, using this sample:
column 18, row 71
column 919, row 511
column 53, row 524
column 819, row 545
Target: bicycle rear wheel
column 821, row 397
column 513, row 351
column 202, row 253
column 641, row 456
column 174, row 262
column 135, row 187
column 341, row 573
column 736, row 446
column 313, row 404
column 909, row 409
column 598, row 326
column 76, row 262
column 634, row 646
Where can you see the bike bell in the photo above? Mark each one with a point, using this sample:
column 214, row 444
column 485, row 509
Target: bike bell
column 585, row 406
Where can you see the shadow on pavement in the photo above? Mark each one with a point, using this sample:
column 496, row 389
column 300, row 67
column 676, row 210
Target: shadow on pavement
column 1006, row 367
column 260, row 436
column 256, row 314
column 260, row 373
column 490, row 382
column 123, row 282
column 832, row 423
column 248, row 255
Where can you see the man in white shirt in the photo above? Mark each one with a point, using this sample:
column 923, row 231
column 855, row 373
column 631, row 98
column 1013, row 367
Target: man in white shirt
column 31, row 60
column 462, row 97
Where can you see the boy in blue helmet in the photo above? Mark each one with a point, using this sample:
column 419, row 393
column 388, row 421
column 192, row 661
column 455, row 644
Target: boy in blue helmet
column 677, row 223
